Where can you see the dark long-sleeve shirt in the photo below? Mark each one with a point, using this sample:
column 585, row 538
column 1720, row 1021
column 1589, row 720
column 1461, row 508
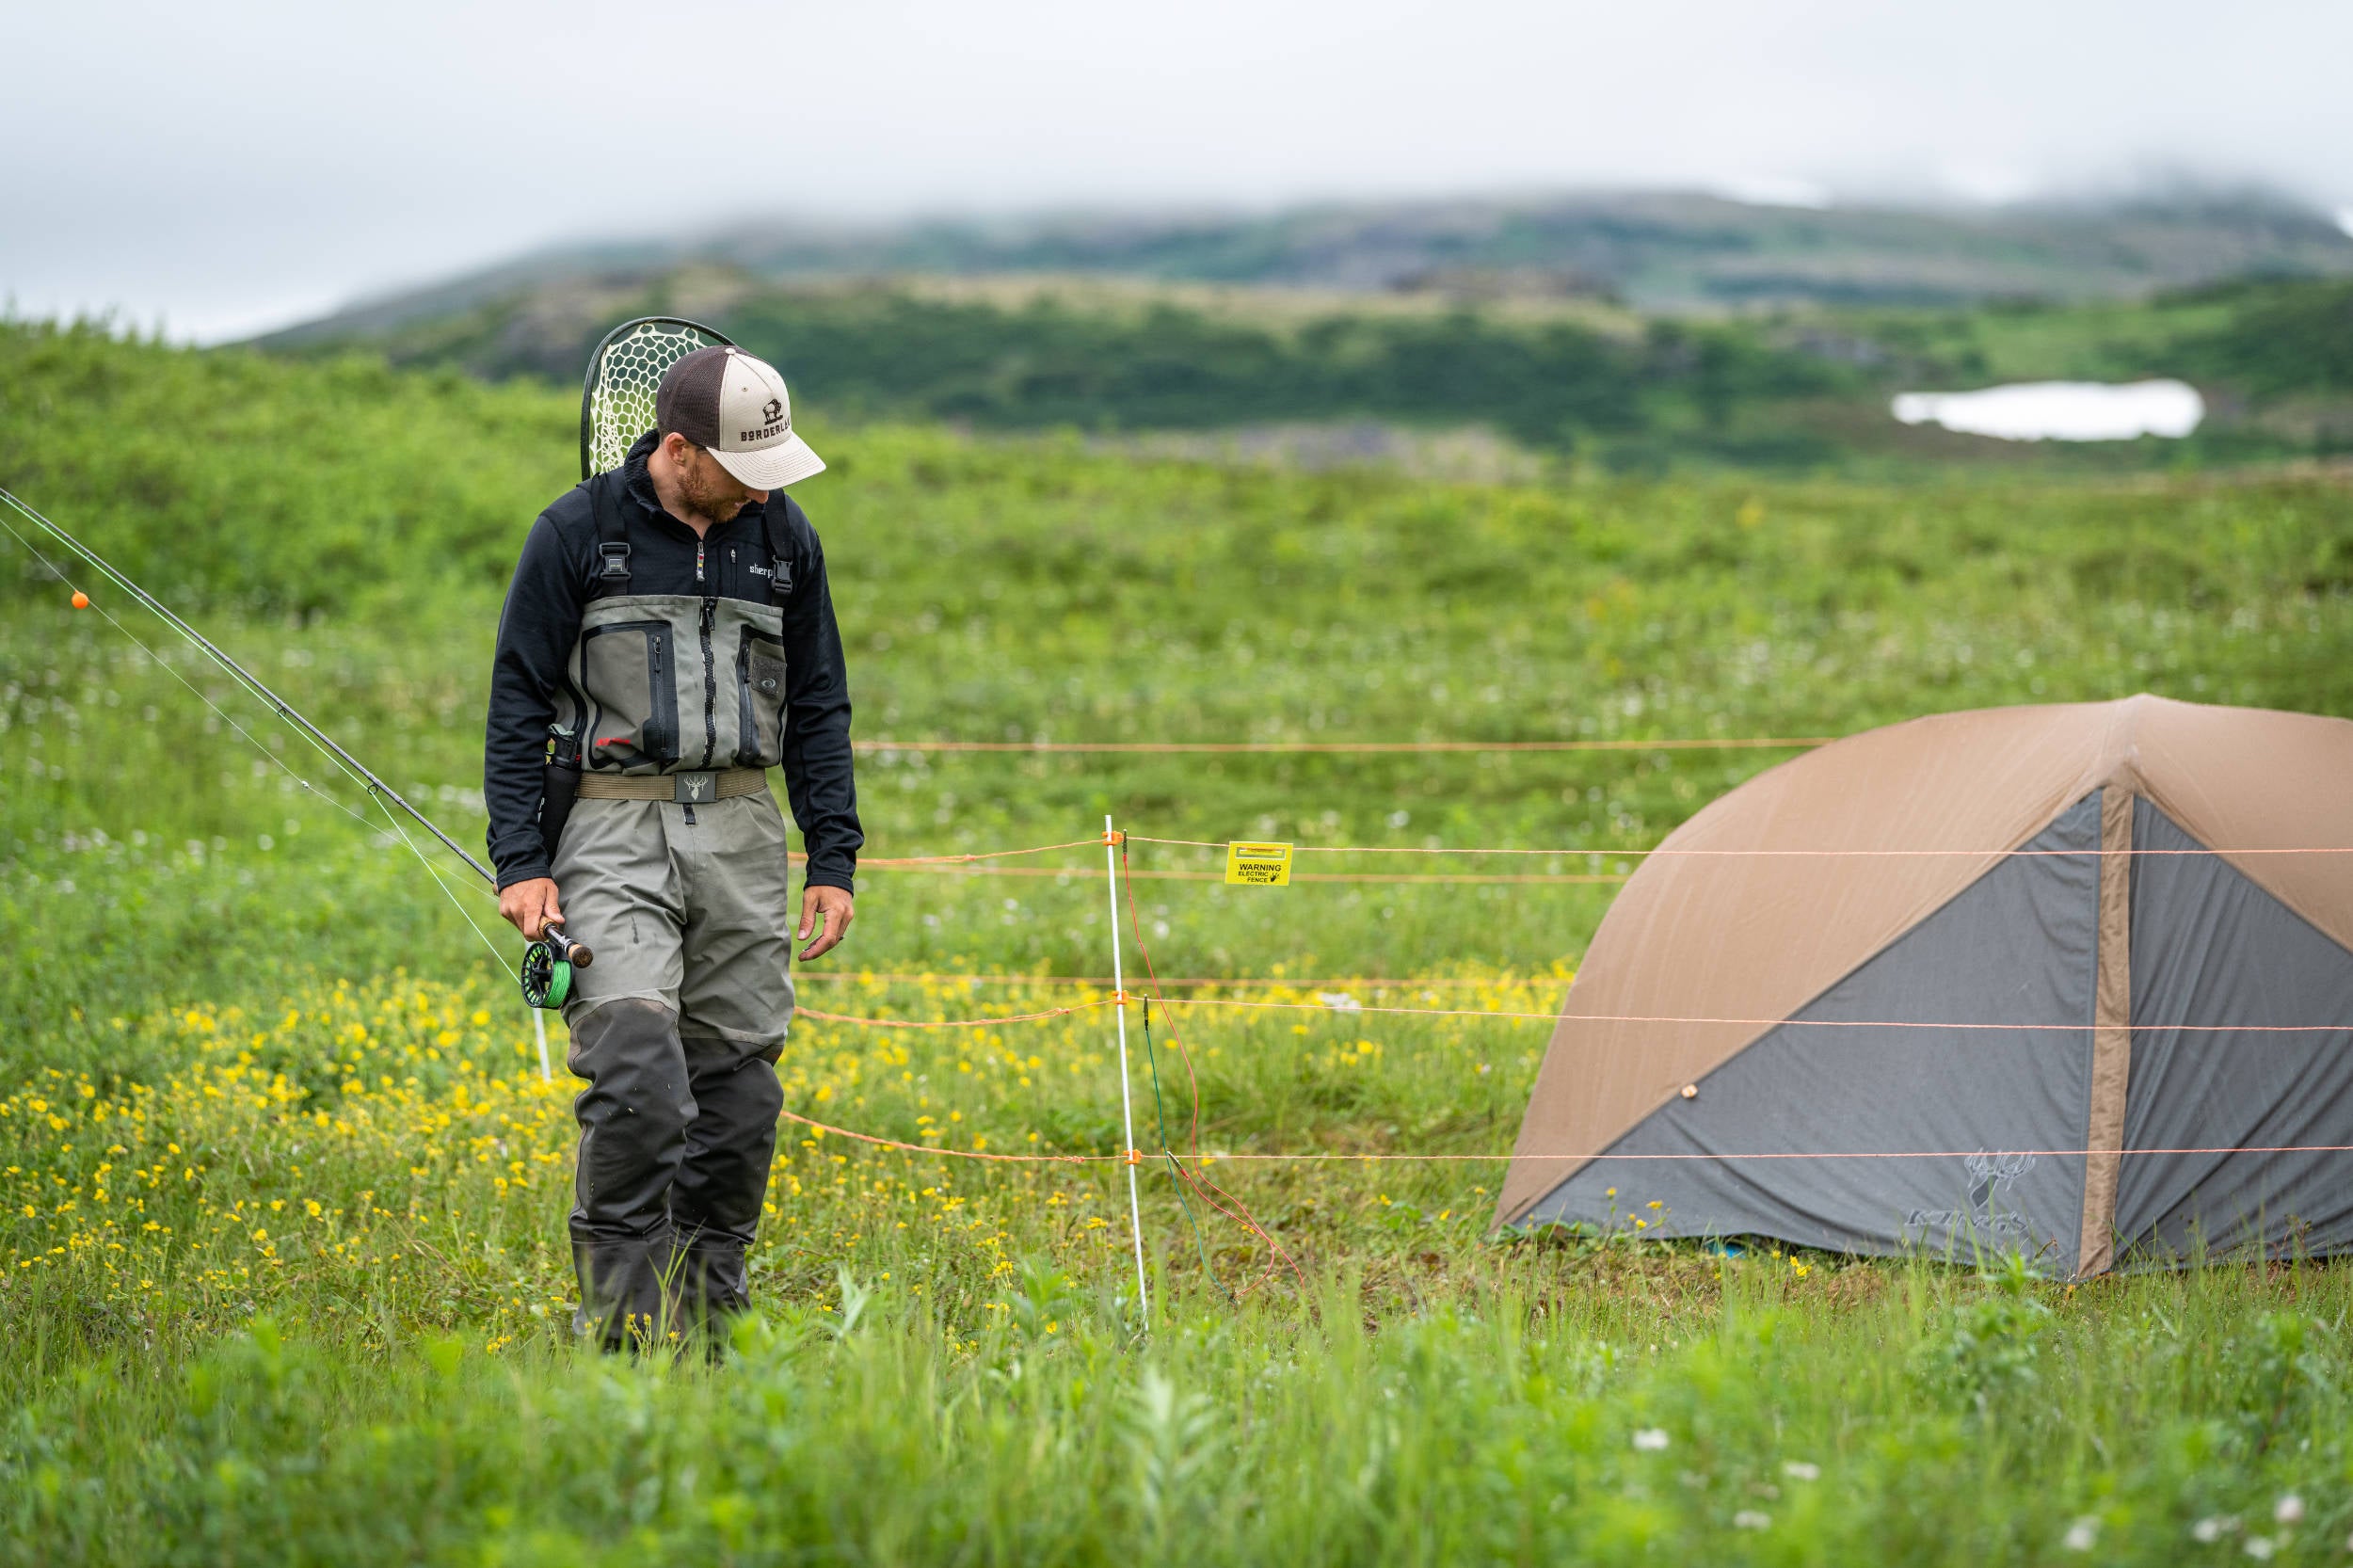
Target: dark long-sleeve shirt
column 553, row 583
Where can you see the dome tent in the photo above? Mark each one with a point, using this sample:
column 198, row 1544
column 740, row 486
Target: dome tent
column 2032, row 977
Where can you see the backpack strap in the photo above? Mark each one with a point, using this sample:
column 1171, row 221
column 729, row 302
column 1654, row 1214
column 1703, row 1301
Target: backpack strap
column 612, row 536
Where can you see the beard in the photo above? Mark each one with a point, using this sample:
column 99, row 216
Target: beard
column 709, row 490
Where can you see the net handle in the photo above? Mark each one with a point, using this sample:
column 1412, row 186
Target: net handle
column 596, row 370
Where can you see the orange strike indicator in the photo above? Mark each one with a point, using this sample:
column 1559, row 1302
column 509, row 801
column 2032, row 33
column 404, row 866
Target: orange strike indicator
column 81, row 600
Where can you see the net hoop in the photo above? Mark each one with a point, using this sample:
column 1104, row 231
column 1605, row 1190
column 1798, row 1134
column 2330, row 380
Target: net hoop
column 616, row 395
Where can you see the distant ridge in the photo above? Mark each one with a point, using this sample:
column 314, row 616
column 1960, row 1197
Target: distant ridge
column 1528, row 334
column 1658, row 251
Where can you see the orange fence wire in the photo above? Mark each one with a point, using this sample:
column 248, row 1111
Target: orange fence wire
column 1330, row 1157
column 1227, row 748
column 1508, row 1015
column 910, row 860
column 956, row 1154
column 950, row 1023
column 1374, row 982
column 1774, row 1023
column 1730, row 854
column 939, row 869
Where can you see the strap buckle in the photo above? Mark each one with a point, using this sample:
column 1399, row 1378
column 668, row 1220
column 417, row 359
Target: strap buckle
column 783, row 578
column 616, row 553
column 695, row 789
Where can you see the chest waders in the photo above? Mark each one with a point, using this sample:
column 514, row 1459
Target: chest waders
column 668, row 846
column 628, row 687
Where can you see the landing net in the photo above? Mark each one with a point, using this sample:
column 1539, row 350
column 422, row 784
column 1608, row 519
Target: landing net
column 617, row 403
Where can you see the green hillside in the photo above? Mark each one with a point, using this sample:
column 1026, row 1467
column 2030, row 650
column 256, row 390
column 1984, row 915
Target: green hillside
column 280, row 1251
column 1804, row 390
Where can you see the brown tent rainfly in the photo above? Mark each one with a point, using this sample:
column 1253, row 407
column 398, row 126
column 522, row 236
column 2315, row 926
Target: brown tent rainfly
column 2041, row 978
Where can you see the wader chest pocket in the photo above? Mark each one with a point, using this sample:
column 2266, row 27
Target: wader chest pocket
column 627, row 668
column 761, row 681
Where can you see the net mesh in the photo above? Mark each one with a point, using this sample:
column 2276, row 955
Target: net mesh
column 620, row 399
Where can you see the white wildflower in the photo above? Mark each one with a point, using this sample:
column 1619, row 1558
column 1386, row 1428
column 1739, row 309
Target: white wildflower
column 1799, row 1469
column 1749, row 1519
column 2213, row 1528
column 1650, row 1439
column 2288, row 1509
column 2259, row 1548
column 2082, row 1535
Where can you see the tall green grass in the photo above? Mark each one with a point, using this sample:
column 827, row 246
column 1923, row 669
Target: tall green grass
column 231, row 1002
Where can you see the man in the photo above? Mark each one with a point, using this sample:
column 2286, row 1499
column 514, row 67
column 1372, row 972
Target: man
column 669, row 636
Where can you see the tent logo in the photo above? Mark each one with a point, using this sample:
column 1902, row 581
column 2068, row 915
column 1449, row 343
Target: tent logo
column 1991, row 1177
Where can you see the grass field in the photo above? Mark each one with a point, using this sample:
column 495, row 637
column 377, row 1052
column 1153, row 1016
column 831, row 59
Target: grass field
column 282, row 1260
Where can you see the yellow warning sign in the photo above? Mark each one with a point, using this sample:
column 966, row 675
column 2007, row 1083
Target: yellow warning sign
column 1259, row 865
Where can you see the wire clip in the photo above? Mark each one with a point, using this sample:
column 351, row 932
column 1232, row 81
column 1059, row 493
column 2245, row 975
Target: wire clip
column 1121, row 999
column 1115, row 837
column 1135, row 1157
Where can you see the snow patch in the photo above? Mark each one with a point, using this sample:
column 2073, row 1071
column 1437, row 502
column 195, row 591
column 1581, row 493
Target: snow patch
column 2060, row 410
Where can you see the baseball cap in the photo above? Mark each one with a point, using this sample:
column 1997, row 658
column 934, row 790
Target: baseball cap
column 736, row 408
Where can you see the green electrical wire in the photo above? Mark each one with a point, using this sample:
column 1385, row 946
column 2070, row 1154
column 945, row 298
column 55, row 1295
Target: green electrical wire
column 1152, row 1060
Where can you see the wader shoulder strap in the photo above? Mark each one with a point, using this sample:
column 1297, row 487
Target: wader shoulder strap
column 612, row 535
column 781, row 565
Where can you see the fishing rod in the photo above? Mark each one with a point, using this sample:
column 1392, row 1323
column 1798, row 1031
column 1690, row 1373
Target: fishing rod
column 545, row 972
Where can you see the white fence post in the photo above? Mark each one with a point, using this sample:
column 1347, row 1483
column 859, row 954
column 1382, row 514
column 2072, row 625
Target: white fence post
column 1127, row 1111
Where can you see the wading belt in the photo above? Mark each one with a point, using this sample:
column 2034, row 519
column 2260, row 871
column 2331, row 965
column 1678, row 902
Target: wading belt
column 688, row 789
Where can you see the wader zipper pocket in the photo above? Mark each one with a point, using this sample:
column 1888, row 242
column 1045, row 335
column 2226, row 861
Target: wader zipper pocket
column 759, row 681
column 651, row 730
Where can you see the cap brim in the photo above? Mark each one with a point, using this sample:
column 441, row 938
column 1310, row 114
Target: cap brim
column 772, row 468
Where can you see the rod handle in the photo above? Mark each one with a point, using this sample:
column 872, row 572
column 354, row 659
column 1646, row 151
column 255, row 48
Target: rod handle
column 574, row 954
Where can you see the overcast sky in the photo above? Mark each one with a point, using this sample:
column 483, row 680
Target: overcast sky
column 227, row 168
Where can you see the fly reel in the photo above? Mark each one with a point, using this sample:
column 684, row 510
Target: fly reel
column 546, row 971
